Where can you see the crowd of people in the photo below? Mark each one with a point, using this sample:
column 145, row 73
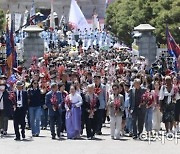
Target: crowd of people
column 72, row 92
column 60, row 37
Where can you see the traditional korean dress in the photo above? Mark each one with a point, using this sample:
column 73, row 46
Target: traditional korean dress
column 73, row 115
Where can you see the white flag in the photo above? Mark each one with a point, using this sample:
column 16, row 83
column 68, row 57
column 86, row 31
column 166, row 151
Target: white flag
column 76, row 17
column 26, row 13
column 32, row 14
column 8, row 20
column 52, row 22
column 17, row 21
column 62, row 21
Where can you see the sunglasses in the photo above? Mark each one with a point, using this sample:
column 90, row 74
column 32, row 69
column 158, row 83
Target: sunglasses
column 115, row 88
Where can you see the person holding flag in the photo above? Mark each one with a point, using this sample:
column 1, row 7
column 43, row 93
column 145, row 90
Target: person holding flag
column 173, row 48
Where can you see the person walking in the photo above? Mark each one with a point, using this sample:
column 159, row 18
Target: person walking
column 54, row 101
column 73, row 114
column 91, row 106
column 137, row 108
column 35, row 103
column 20, row 107
column 116, row 109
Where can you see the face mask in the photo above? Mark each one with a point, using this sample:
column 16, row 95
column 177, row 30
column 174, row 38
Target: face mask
column 2, row 88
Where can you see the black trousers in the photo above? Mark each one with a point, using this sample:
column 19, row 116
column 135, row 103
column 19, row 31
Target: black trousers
column 138, row 117
column 3, row 121
column 83, row 118
column 100, row 119
column 91, row 125
column 19, row 119
column 55, row 120
column 63, row 125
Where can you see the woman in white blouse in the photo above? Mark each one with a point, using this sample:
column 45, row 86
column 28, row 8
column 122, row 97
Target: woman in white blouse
column 73, row 114
column 168, row 97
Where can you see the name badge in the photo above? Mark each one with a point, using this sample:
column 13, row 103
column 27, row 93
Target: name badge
column 19, row 104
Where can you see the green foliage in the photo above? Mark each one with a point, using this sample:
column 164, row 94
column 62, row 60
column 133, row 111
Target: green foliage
column 1, row 20
column 123, row 15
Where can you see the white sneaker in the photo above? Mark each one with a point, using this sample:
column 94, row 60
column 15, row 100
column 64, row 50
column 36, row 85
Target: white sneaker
column 175, row 131
column 177, row 128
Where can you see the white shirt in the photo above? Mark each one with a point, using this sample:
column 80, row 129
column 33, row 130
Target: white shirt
column 1, row 102
column 19, row 102
column 164, row 92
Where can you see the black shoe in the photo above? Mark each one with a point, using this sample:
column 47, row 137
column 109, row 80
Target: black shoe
column 108, row 118
column 59, row 135
column 99, row 133
column 130, row 135
column 36, row 135
column 4, row 133
column 53, row 137
column 23, row 136
column 135, row 137
column 17, row 139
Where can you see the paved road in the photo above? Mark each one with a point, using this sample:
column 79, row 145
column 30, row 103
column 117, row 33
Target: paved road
column 103, row 145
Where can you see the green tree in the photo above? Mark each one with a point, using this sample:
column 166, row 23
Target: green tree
column 1, row 20
column 123, row 15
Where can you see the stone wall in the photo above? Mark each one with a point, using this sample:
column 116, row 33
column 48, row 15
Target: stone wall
column 147, row 46
column 33, row 46
column 87, row 6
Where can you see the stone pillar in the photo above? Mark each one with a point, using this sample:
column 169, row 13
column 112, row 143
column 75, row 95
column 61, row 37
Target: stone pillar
column 33, row 44
column 146, row 42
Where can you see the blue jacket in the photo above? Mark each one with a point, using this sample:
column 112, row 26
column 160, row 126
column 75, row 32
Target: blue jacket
column 49, row 104
column 102, row 97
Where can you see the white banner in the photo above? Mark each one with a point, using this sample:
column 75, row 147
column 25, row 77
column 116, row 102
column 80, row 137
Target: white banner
column 17, row 21
column 8, row 20
column 26, row 13
column 76, row 17
column 95, row 22
column 52, row 22
column 32, row 14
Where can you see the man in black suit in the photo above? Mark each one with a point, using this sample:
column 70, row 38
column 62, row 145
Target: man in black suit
column 20, row 109
column 137, row 108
